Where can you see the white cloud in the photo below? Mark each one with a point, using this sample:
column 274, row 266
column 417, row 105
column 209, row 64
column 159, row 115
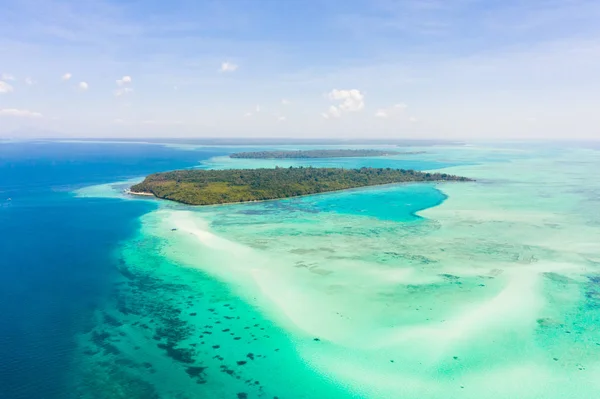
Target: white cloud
column 124, row 80
column 123, row 91
column 413, row 119
column 66, row 76
column 351, row 100
column 334, row 111
column 228, row 67
column 83, row 86
column 248, row 114
column 381, row 114
column 257, row 108
column 5, row 87
column 29, row 81
column 281, row 118
column 7, row 76
column 285, row 102
column 20, row 113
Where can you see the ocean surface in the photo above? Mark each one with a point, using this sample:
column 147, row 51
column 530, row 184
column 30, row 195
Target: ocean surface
column 481, row 290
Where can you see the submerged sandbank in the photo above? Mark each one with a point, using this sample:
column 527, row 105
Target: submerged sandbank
column 496, row 284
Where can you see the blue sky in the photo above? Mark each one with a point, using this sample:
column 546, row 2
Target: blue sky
column 290, row 68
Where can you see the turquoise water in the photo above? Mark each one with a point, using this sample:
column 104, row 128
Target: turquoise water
column 480, row 290
column 392, row 203
column 197, row 331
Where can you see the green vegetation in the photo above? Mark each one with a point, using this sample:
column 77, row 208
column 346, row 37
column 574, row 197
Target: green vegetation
column 316, row 154
column 208, row 187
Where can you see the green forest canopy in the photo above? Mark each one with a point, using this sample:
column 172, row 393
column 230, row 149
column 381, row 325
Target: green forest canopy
column 208, row 187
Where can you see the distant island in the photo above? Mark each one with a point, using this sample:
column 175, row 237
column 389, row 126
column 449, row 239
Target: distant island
column 300, row 154
column 210, row 187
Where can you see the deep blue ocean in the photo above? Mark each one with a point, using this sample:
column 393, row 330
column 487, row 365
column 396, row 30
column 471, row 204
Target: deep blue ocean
column 57, row 250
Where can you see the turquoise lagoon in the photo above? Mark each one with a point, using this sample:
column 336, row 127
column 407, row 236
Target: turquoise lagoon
column 481, row 290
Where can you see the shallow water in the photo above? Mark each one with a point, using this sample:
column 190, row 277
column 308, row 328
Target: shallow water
column 474, row 290
column 480, row 290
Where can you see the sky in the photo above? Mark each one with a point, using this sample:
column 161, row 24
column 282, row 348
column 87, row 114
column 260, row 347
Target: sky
column 454, row 69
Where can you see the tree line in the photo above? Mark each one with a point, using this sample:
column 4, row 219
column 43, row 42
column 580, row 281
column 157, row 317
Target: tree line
column 300, row 154
column 207, row 187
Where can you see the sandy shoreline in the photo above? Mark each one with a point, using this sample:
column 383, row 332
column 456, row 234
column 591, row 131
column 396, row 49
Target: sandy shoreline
column 139, row 193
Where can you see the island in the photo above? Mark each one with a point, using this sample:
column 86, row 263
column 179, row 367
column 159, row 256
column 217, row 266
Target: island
column 210, row 187
column 311, row 154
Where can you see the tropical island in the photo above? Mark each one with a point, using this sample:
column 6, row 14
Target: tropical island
column 210, row 187
column 311, row 154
